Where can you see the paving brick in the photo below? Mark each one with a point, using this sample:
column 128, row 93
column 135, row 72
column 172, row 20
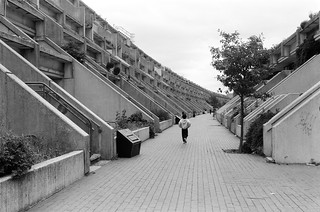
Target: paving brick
column 198, row 176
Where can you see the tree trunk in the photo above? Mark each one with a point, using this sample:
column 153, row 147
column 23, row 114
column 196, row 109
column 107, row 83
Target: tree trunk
column 241, row 121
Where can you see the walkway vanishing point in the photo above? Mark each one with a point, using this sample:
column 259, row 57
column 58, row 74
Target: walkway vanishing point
column 198, row 176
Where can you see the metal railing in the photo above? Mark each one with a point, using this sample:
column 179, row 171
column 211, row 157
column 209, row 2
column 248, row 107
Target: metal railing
column 64, row 106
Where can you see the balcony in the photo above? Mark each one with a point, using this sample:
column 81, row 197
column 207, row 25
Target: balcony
column 70, row 35
column 131, row 53
column 100, row 31
column 98, row 40
column 52, row 6
column 76, row 14
column 26, row 10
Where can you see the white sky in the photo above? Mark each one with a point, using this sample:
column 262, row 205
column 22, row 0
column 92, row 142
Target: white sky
column 179, row 33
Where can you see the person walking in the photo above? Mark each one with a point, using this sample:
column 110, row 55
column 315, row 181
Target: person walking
column 184, row 124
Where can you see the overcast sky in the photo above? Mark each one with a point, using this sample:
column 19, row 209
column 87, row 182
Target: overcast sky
column 179, row 33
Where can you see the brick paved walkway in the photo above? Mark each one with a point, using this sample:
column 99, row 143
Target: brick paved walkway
column 198, row 176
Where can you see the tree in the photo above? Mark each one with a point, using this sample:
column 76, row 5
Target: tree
column 213, row 101
column 242, row 65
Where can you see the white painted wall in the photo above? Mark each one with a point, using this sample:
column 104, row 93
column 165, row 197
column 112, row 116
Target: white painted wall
column 292, row 136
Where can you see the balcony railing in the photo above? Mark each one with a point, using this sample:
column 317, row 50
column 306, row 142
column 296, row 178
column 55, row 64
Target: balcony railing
column 65, row 107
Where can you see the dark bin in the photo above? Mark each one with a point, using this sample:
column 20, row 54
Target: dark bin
column 177, row 119
column 128, row 144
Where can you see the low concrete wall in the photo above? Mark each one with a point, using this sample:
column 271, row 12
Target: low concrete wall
column 42, row 181
column 165, row 124
column 143, row 133
column 23, row 111
column 292, row 136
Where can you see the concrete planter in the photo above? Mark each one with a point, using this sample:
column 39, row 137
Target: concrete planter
column 165, row 124
column 142, row 133
column 43, row 180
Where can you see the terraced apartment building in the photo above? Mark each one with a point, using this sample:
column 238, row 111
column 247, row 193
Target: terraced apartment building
column 66, row 73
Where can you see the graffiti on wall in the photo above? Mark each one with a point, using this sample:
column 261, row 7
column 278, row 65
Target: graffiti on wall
column 306, row 121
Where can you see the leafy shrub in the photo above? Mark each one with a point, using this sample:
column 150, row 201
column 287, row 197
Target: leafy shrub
column 162, row 115
column 133, row 122
column 19, row 153
column 306, row 50
column 245, row 148
column 152, row 131
column 121, row 120
column 74, row 50
column 255, row 132
column 136, row 117
column 16, row 156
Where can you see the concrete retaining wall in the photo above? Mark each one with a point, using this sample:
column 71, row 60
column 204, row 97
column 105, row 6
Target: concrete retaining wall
column 42, row 181
column 165, row 124
column 142, row 133
column 292, row 135
column 23, row 111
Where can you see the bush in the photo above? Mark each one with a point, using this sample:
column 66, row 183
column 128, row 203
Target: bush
column 136, row 117
column 16, row 156
column 121, row 120
column 162, row 115
column 133, row 122
column 306, row 50
column 19, row 153
column 255, row 133
column 152, row 131
column 74, row 50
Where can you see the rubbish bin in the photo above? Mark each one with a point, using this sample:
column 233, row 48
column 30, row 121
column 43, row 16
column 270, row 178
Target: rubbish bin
column 128, row 144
